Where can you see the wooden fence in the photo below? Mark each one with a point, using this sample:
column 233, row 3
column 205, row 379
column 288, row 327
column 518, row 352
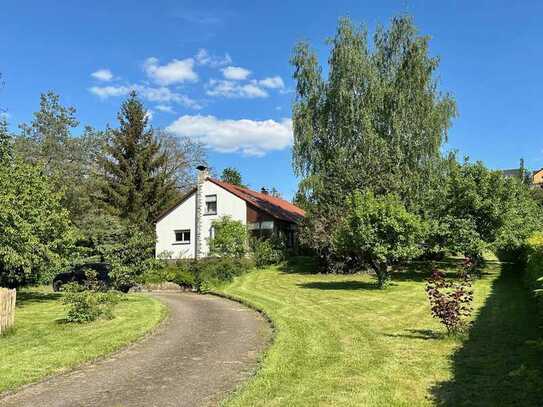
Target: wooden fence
column 7, row 309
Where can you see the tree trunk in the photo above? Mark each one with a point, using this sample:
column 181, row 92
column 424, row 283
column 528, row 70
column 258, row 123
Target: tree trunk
column 383, row 274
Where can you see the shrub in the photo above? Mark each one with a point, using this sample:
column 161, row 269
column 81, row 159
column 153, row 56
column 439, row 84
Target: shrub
column 534, row 266
column 230, row 239
column 86, row 305
column 450, row 301
column 184, row 278
column 215, row 272
column 129, row 250
column 266, row 252
column 179, row 273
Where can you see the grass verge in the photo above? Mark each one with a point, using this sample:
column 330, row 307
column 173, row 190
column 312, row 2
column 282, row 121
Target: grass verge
column 340, row 341
column 42, row 344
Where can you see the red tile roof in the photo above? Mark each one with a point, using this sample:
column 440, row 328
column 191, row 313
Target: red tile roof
column 276, row 207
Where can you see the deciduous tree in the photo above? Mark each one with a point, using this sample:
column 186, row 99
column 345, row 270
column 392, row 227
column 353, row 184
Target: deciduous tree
column 36, row 235
column 376, row 123
column 70, row 161
column 378, row 232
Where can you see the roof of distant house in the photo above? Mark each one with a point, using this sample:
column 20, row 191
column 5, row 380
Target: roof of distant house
column 276, row 207
column 511, row 173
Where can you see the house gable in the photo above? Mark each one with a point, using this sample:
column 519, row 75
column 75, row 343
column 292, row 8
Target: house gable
column 179, row 218
column 182, row 217
column 537, row 177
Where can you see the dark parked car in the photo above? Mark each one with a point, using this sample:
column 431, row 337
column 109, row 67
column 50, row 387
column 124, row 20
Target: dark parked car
column 78, row 274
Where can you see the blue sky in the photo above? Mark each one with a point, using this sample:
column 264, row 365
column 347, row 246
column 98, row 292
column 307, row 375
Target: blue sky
column 219, row 71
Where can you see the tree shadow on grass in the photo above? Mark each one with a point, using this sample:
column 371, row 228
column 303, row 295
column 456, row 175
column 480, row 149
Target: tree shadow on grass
column 300, row 265
column 339, row 285
column 426, row 334
column 28, row 297
column 501, row 363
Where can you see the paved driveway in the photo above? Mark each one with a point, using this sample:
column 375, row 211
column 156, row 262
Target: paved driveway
column 206, row 348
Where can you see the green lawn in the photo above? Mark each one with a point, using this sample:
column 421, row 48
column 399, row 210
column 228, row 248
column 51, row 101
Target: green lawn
column 42, row 344
column 340, row 341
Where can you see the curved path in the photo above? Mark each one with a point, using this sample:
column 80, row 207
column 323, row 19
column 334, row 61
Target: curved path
column 206, row 348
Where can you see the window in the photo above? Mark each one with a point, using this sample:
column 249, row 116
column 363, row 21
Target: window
column 212, row 232
column 182, row 236
column 211, row 205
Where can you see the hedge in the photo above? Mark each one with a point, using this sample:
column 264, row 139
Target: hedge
column 534, row 266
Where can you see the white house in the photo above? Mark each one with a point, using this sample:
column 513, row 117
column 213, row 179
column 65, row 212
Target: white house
column 185, row 229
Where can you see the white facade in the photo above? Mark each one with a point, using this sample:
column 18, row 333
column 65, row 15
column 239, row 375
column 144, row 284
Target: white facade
column 183, row 218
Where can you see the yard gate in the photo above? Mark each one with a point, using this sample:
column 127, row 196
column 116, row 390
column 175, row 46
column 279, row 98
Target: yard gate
column 7, row 309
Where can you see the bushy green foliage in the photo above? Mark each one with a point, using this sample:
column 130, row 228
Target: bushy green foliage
column 266, row 252
column 534, row 265
column 377, row 122
column 232, row 176
column 68, row 159
column 128, row 249
column 481, row 209
column 230, row 238
column 36, row 235
column 179, row 273
column 455, row 235
column 214, row 272
column 378, row 232
column 87, row 305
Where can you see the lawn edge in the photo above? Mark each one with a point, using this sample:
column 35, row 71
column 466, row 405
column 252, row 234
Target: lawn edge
column 164, row 317
column 263, row 355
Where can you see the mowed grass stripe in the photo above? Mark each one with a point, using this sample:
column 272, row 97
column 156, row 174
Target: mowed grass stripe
column 341, row 342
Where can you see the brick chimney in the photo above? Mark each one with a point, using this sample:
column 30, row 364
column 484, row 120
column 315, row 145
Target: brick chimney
column 199, row 236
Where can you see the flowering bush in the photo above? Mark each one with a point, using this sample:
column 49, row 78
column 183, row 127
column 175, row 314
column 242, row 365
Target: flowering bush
column 450, row 301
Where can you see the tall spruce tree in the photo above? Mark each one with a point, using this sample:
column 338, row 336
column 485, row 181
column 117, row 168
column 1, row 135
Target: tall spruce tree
column 136, row 187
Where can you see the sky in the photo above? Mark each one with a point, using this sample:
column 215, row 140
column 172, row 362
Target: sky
column 219, row 72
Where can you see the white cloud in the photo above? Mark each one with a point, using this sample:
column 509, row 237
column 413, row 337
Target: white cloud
column 164, row 108
column 252, row 91
column 251, row 137
column 152, row 94
column 175, row 71
column 102, row 75
column 203, row 57
column 231, row 89
column 104, row 92
column 235, row 73
column 273, row 82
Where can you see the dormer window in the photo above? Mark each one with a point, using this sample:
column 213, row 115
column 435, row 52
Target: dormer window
column 211, row 205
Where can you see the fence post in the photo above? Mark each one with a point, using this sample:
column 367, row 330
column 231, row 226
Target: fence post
column 7, row 309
